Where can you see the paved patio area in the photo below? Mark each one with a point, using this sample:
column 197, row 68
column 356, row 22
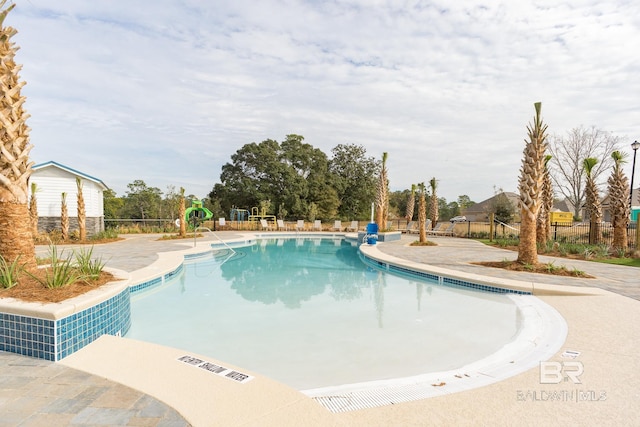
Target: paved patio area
column 603, row 328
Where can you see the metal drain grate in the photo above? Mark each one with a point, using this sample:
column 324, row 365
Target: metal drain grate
column 352, row 401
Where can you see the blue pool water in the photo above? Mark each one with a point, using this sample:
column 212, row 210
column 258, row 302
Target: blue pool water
column 309, row 313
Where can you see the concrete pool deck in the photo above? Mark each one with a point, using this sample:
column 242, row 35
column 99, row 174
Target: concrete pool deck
column 602, row 327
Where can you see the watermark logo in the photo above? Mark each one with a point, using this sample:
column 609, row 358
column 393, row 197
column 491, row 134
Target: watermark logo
column 576, row 396
column 557, row 372
column 567, row 372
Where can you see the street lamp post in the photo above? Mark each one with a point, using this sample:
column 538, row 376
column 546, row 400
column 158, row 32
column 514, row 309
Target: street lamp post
column 635, row 147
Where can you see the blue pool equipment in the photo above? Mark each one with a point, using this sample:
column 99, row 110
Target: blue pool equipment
column 371, row 237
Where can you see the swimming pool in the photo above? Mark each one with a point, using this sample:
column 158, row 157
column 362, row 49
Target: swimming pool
column 309, row 313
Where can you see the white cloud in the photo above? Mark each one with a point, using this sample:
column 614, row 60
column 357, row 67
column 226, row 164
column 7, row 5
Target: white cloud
column 166, row 91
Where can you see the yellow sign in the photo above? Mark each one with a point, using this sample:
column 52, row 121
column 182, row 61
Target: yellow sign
column 560, row 217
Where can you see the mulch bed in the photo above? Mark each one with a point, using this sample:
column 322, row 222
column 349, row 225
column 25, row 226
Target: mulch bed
column 45, row 242
column 551, row 269
column 427, row 243
column 29, row 289
column 540, row 268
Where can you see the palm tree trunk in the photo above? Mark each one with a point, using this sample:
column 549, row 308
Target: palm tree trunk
column 16, row 239
column 619, row 202
column 530, row 186
column 411, row 203
column 594, row 205
column 33, row 209
column 527, row 248
column 433, row 205
column 181, row 212
column 64, row 218
column 543, row 221
column 422, row 214
column 82, row 213
column 15, row 234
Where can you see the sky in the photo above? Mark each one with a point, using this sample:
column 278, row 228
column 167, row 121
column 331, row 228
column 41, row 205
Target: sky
column 166, row 91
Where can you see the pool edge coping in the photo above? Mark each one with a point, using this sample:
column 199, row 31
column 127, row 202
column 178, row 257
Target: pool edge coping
column 534, row 288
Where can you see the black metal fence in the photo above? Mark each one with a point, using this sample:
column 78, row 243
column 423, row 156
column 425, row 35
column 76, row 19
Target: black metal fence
column 577, row 233
column 574, row 232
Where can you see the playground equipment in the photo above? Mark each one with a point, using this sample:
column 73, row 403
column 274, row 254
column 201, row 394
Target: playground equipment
column 257, row 216
column 239, row 215
column 197, row 213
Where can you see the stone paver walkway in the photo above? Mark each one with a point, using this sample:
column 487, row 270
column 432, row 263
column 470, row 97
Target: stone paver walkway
column 36, row 392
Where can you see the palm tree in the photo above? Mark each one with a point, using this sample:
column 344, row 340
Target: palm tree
column 543, row 224
column 33, row 209
column 411, row 204
column 433, row 203
column 64, row 217
column 422, row 212
column 82, row 213
column 16, row 239
column 182, row 209
column 530, row 186
column 619, row 201
column 594, row 206
column 382, row 196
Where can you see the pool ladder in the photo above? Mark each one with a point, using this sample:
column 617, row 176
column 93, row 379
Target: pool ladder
column 216, row 236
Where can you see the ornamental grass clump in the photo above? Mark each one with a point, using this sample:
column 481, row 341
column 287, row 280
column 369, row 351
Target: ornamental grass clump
column 9, row 272
column 88, row 267
column 62, row 271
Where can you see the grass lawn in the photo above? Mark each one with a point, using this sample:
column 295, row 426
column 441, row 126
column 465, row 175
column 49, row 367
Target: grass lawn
column 631, row 262
column 512, row 245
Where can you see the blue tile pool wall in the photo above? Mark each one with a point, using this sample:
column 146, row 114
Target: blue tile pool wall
column 173, row 273
column 139, row 287
column 112, row 317
column 145, row 285
column 29, row 336
column 55, row 339
column 412, row 273
column 447, row 281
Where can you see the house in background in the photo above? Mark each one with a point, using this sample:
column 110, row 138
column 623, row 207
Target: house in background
column 479, row 212
column 563, row 206
column 53, row 179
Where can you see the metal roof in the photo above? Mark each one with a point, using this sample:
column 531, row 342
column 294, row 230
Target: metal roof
column 70, row 170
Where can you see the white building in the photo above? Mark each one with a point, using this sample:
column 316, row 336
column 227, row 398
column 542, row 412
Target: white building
column 52, row 179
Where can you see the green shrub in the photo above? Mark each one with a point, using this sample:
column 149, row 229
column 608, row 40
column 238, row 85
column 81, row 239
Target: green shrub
column 552, row 268
column 577, row 273
column 506, row 242
column 61, row 273
column 621, row 253
column 602, row 251
column 587, row 253
column 109, row 233
column 88, row 267
column 529, row 267
column 9, row 272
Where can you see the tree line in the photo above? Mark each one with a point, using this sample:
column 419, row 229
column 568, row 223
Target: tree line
column 289, row 179
column 294, row 180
